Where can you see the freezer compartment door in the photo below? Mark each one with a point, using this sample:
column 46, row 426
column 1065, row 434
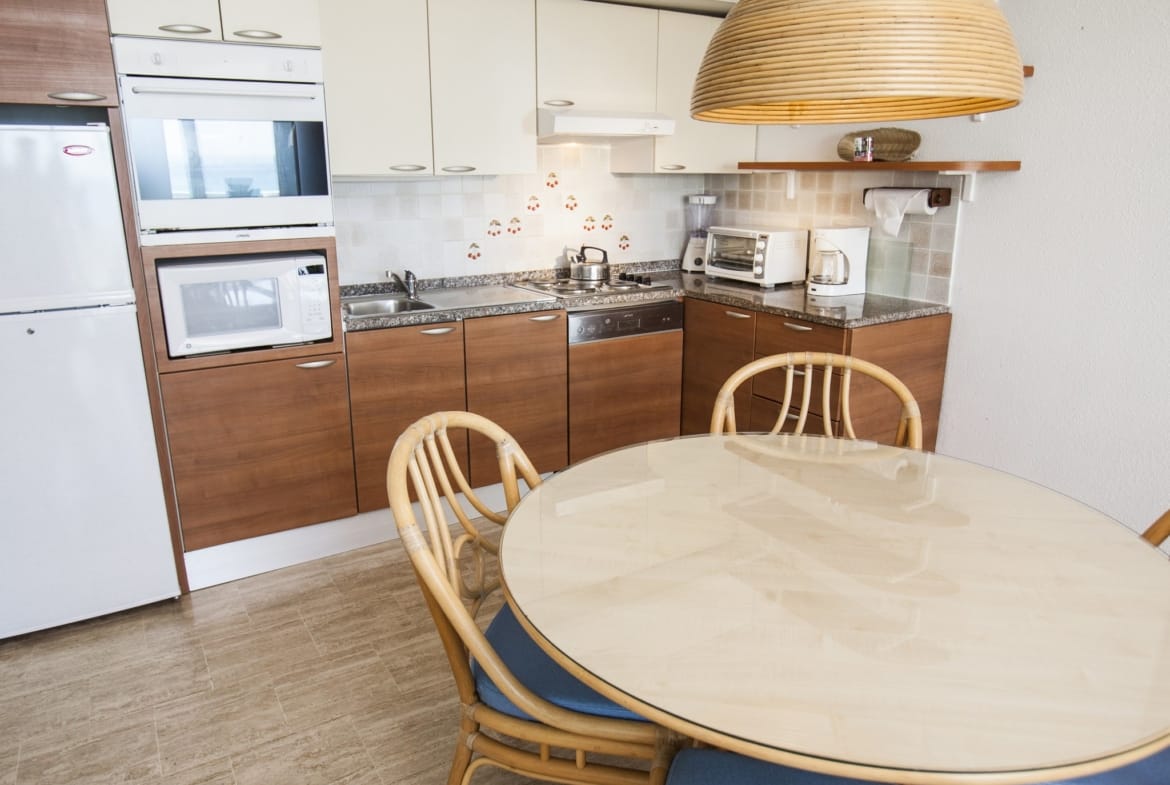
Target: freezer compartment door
column 84, row 530
column 61, row 220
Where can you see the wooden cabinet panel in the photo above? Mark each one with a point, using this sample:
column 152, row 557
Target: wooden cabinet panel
column 259, row 448
column 764, row 413
column 624, row 391
column 719, row 339
column 517, row 375
column 53, row 49
column 395, row 377
column 915, row 351
column 780, row 334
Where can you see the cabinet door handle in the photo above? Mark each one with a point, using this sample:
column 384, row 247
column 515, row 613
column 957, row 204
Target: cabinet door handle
column 76, row 95
column 257, row 35
column 316, row 364
column 735, row 315
column 800, row 328
column 437, row 331
column 558, row 102
column 407, row 168
column 673, row 167
column 184, row 29
column 546, row 318
column 458, row 169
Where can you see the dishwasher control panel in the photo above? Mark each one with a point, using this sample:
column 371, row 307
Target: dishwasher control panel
column 623, row 321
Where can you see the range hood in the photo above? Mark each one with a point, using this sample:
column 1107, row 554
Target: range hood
column 565, row 124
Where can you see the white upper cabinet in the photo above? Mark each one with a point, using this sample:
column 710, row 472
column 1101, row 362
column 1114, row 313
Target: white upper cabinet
column 421, row 88
column 281, row 22
column 377, row 97
column 483, row 86
column 595, row 56
column 695, row 146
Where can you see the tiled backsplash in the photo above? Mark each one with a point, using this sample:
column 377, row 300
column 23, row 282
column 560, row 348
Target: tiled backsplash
column 915, row 264
column 447, row 227
column 467, row 226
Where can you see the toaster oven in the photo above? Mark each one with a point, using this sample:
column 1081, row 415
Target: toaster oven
column 766, row 257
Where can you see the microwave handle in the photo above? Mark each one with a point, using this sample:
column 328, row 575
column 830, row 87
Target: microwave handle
column 316, row 364
column 139, row 90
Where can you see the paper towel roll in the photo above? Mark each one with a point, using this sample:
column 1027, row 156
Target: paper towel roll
column 892, row 204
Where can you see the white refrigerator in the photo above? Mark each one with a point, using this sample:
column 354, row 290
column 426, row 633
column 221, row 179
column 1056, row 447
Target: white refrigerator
column 83, row 524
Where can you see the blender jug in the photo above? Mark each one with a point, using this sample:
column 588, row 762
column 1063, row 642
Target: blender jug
column 699, row 212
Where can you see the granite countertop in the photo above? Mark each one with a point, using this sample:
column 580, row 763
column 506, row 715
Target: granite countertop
column 457, row 299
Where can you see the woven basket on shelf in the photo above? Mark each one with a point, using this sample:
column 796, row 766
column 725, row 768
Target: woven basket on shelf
column 889, row 144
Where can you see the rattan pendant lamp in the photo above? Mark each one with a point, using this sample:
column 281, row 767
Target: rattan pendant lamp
column 843, row 61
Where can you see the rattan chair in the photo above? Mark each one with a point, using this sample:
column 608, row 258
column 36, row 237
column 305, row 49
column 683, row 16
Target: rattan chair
column 1157, row 533
column 519, row 710
column 834, row 373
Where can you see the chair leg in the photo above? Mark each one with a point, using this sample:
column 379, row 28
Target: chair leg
column 460, row 762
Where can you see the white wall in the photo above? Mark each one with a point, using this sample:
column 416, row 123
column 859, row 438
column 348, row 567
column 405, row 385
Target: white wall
column 1059, row 364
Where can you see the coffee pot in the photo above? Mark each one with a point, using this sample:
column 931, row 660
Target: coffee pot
column 837, row 260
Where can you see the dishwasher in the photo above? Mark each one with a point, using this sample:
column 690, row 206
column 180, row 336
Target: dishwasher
column 625, row 375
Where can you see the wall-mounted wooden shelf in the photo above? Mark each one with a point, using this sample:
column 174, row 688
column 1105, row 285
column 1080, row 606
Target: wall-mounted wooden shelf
column 966, row 169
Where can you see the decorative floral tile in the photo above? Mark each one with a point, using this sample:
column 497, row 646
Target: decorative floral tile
column 590, row 223
column 533, row 204
column 624, row 242
column 570, row 202
column 552, row 180
column 495, row 228
column 606, row 222
column 514, row 226
column 473, row 251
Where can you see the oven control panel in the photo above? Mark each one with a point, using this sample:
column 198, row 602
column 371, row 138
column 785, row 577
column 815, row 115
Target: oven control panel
column 619, row 322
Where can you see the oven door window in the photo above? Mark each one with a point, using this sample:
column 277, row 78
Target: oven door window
column 733, row 253
column 228, row 159
column 227, row 307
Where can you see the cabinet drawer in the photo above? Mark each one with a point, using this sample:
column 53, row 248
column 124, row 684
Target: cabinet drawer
column 764, row 413
column 780, row 334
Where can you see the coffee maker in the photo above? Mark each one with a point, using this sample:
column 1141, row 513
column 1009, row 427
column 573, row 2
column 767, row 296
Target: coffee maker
column 836, row 261
column 699, row 209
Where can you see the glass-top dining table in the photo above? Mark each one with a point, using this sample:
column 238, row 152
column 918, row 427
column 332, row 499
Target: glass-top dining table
column 850, row 608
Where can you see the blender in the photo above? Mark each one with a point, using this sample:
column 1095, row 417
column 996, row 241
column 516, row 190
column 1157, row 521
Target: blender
column 699, row 209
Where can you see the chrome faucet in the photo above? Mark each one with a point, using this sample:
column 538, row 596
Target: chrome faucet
column 410, row 286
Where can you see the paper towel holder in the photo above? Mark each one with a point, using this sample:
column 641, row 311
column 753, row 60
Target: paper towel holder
column 938, row 197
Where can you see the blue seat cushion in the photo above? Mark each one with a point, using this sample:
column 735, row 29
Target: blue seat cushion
column 716, row 767
column 537, row 671
column 1154, row 770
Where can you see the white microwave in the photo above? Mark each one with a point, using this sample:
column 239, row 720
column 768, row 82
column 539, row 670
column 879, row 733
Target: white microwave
column 226, row 141
column 766, row 257
column 228, row 303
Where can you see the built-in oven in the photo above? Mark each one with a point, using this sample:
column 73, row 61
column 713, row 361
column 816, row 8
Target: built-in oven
column 226, row 141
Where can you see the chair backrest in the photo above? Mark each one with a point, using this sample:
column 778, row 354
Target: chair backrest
column 835, row 372
column 1159, row 530
column 423, row 461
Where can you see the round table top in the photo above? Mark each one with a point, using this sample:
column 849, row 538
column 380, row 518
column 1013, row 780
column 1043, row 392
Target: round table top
column 850, row 607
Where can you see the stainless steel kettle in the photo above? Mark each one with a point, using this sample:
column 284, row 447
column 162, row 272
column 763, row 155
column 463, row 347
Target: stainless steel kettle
column 581, row 268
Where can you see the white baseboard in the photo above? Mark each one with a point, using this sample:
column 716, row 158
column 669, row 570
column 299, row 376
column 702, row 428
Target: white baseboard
column 243, row 558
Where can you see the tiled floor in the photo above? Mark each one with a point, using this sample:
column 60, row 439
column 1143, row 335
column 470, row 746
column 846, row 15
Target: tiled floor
column 327, row 673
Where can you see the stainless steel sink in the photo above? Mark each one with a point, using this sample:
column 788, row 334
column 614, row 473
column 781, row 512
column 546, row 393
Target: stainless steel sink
column 382, row 305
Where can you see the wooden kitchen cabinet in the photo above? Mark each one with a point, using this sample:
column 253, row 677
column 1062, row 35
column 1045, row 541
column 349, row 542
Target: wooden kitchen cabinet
column 517, row 375
column 56, row 53
column 396, row 376
column 595, row 56
column 280, row 22
column 718, row 340
column 259, row 448
column 694, row 147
